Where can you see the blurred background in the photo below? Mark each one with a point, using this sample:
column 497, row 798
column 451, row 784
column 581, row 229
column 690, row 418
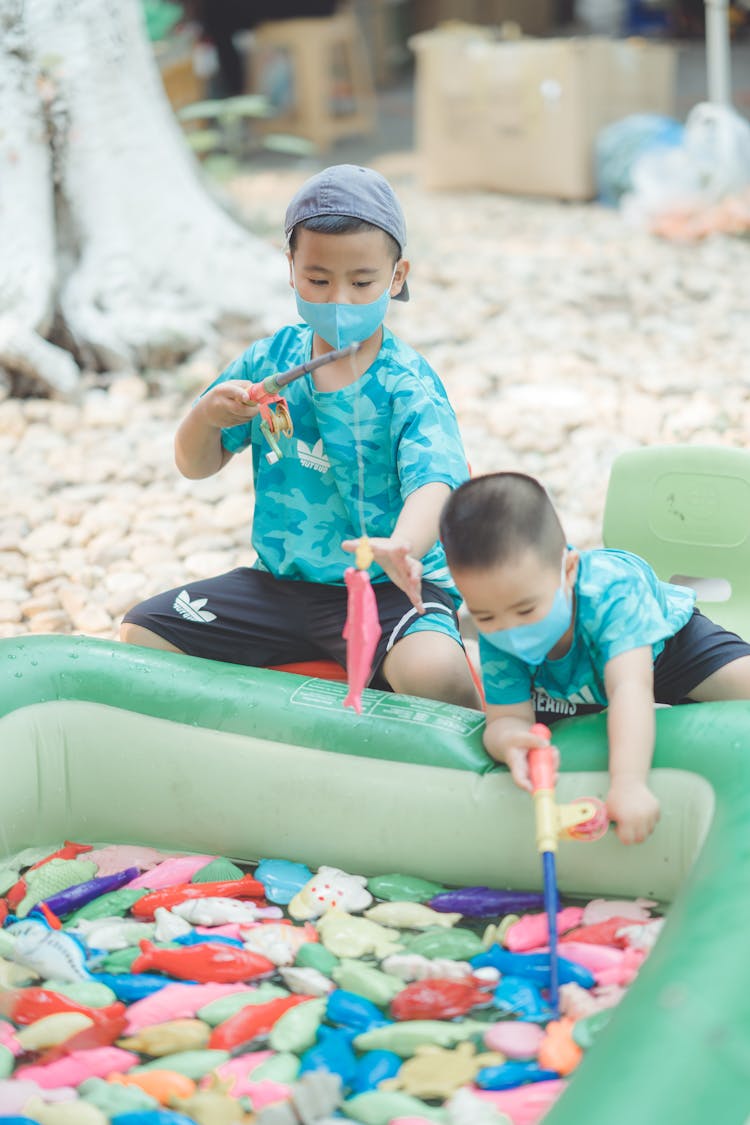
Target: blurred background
column 575, row 181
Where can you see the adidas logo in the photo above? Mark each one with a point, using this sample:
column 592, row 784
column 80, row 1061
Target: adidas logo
column 314, row 458
column 193, row 611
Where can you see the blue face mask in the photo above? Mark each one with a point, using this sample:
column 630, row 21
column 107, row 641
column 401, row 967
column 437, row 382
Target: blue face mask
column 533, row 641
column 340, row 325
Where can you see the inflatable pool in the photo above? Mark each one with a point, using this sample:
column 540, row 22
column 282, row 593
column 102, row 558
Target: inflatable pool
column 104, row 742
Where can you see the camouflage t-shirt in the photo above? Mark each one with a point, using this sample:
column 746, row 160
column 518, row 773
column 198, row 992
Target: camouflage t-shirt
column 620, row 605
column 355, row 456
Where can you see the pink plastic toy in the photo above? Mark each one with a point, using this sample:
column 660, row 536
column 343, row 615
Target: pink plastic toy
column 78, row 1066
column 362, row 629
column 517, row 1039
column 176, row 1001
column 532, row 930
column 179, row 869
column 266, row 1092
column 525, row 1105
column 238, row 1071
column 116, row 857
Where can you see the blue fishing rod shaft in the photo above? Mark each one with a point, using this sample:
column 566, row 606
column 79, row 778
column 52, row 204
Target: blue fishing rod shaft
column 551, row 906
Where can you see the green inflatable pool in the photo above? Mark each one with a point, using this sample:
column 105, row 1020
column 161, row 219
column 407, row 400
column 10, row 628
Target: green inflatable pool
column 104, row 742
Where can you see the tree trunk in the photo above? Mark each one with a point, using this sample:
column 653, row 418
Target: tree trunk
column 110, row 243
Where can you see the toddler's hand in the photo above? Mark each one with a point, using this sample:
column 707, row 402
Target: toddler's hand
column 228, row 404
column 633, row 807
column 512, row 747
column 402, row 568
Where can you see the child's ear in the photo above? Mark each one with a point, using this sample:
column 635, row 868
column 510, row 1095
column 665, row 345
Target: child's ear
column 572, row 560
column 400, row 275
column 290, row 261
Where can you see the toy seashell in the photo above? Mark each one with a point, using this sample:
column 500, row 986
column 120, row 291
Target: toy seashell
column 116, row 857
column 217, row 870
column 52, row 877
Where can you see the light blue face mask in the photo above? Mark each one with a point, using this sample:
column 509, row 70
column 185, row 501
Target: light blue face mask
column 533, row 641
column 340, row 325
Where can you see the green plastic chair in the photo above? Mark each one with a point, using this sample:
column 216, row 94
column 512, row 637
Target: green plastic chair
column 686, row 510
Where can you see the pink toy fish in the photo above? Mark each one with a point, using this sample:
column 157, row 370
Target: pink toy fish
column 116, row 857
column 517, row 1039
column 176, row 1001
column 179, row 869
column 78, row 1066
column 532, row 930
column 361, row 633
column 525, row 1105
column 266, row 1092
column 237, row 1071
column 8, row 1038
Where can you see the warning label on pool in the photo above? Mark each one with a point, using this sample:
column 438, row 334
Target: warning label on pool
column 329, row 695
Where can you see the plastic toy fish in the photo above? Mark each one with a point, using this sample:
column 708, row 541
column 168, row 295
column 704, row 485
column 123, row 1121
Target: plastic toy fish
column 512, row 1074
column 27, row 1005
column 414, row 966
column 99, row 1062
column 410, row 915
column 403, row 888
column 51, row 877
column 534, row 966
column 307, row 982
column 525, row 1105
column 434, row 1072
column 130, row 987
column 175, row 869
column 169, row 897
column 600, row 933
column 346, row 1009
column 203, row 963
column 641, row 935
column 112, row 933
column 600, row 909
column 52, row 954
column 112, row 905
column 354, row 937
column 516, row 1039
column 51, row 1030
column 521, row 997
column 456, row 944
column 161, row 1084
column 214, row 1105
column 168, row 926
column 279, row 942
column 532, row 930
column 483, row 902
column 168, row 1038
column 69, row 850
column 116, row 857
column 404, row 1038
column 217, row 911
column 438, row 1000
column 251, row 1022
column 373, row 1068
column 332, row 1052
column 330, row 888
column 362, row 630
column 282, row 879
column 367, row 981
column 74, row 897
column 177, row 1001
column 102, row 1032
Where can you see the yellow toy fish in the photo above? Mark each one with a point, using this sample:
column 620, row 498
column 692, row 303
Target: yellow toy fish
column 410, row 916
column 346, row 936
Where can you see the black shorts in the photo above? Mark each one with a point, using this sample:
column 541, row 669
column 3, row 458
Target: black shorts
column 688, row 658
column 249, row 617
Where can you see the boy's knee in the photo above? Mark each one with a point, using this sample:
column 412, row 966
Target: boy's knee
column 132, row 634
column 431, row 666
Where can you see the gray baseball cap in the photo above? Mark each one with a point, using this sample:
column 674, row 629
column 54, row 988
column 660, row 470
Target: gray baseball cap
column 348, row 189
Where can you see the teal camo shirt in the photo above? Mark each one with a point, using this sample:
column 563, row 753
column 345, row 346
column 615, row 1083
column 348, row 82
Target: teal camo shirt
column 620, row 605
column 396, row 417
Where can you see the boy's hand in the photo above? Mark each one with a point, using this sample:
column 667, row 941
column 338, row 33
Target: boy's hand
column 402, row 568
column 510, row 743
column 228, row 404
column 633, row 807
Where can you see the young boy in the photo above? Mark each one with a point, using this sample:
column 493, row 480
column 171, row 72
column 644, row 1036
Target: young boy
column 592, row 625
column 375, row 451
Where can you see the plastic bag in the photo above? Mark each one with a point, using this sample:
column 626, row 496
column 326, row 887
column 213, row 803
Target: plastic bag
column 619, row 145
column 711, row 165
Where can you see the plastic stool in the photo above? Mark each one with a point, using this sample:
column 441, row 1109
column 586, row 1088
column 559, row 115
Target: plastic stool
column 323, row 53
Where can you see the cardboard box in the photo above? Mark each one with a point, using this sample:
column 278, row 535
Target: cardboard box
column 522, row 116
column 534, row 17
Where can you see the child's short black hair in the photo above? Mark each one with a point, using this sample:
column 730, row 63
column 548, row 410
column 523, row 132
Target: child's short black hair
column 342, row 224
column 491, row 520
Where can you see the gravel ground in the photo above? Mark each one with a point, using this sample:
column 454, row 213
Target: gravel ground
column 563, row 337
